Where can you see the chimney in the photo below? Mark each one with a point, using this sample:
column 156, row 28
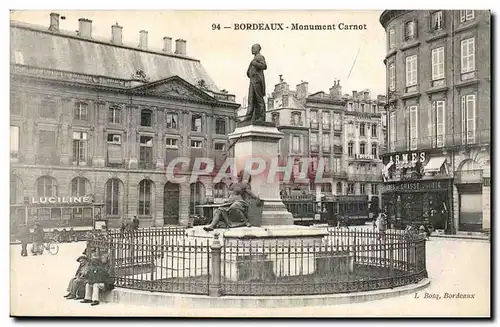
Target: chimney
column 167, row 44
column 85, row 28
column 116, row 34
column 336, row 90
column 143, row 39
column 354, row 95
column 302, row 90
column 366, row 94
column 54, row 22
column 180, row 47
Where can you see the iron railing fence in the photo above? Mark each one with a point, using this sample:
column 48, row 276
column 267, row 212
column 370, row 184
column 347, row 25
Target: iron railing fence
column 174, row 260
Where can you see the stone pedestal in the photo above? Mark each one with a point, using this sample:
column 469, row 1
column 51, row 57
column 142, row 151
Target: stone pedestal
column 261, row 141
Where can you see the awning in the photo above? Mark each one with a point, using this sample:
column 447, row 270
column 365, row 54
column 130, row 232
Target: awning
column 434, row 165
column 389, row 165
column 114, row 154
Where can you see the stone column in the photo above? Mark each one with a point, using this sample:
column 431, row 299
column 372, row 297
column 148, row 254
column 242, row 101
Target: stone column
column 65, row 136
column 262, row 142
column 486, row 199
column 184, row 203
column 160, row 142
column 209, row 132
column 31, row 133
column 132, row 137
column 158, row 208
column 99, row 133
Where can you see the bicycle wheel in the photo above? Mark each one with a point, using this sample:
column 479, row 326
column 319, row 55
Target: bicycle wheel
column 53, row 248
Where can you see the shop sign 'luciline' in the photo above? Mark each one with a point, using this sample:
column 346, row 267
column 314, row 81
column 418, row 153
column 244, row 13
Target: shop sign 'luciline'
column 61, row 199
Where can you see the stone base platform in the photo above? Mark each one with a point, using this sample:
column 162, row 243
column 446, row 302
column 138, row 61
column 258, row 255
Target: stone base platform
column 171, row 300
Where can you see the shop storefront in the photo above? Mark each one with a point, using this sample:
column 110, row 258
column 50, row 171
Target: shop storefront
column 78, row 212
column 418, row 187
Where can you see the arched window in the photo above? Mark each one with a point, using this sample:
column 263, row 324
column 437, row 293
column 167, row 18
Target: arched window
column 196, row 197
column 220, row 190
column 145, row 197
column 80, row 186
column 46, row 186
column 339, row 188
column 146, row 117
column 113, row 196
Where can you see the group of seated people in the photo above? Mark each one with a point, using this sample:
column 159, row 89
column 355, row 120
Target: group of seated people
column 65, row 236
column 92, row 276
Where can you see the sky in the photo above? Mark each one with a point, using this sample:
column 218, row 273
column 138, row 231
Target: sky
column 318, row 57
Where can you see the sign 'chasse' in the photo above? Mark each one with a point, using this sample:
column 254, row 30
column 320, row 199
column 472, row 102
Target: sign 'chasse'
column 61, row 199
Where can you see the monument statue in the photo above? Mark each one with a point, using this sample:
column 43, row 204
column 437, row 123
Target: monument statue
column 256, row 111
column 234, row 211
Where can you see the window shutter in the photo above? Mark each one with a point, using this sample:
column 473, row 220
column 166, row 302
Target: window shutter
column 462, row 15
column 463, row 114
column 415, row 28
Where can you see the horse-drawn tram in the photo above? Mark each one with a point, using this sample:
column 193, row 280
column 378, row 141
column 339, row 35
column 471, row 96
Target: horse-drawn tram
column 77, row 214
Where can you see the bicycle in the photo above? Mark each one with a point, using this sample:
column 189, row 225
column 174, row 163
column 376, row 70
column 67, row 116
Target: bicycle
column 50, row 245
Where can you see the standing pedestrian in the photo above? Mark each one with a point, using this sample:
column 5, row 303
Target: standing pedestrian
column 24, row 237
column 38, row 238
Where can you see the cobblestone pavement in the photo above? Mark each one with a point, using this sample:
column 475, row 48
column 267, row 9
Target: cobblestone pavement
column 38, row 284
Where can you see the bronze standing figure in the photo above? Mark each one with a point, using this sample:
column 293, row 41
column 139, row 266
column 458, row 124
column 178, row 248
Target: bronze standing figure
column 256, row 111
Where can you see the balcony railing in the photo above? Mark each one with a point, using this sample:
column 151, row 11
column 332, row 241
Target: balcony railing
column 314, row 147
column 326, row 148
column 468, row 176
column 314, row 125
column 326, row 125
column 440, row 141
column 147, row 165
column 374, row 177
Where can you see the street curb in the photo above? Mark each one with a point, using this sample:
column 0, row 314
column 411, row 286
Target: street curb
column 463, row 237
column 174, row 300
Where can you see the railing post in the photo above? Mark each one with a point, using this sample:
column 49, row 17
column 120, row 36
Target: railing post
column 215, row 272
column 391, row 264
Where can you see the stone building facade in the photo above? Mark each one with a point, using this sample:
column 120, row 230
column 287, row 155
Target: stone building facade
column 344, row 131
column 438, row 85
column 99, row 117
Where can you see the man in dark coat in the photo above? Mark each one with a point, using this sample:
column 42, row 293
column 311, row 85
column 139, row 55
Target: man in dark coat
column 38, row 238
column 98, row 278
column 135, row 223
column 76, row 287
column 24, row 237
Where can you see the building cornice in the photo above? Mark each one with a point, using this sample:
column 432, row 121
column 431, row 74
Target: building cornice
column 388, row 15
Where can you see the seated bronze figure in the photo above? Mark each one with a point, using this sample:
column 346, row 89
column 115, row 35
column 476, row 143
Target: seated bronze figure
column 234, row 211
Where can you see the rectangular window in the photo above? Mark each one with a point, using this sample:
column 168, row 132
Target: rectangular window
column 362, row 131
column 145, row 151
column 349, row 106
column 350, row 150
column 437, row 20
column 350, row 188
column 219, row 146
column 295, row 144
column 362, row 189
column 196, row 125
column 14, row 140
column 326, row 162
column 81, row 111
column 374, row 189
column 466, row 15
column 144, row 198
column 337, row 164
column 438, row 128
column 47, row 108
column 362, row 148
column 468, row 55
column 79, row 148
column 392, row 38
column 296, row 119
column 337, row 122
column 413, row 128
column 18, row 57
column 171, row 120
column 374, row 108
column 326, row 119
column 362, row 107
column 171, row 143
column 326, row 142
column 220, row 126
column 47, row 147
column 392, row 77
column 314, row 116
column 114, row 150
column 438, row 63
column 314, row 138
column 114, row 115
column 392, row 128
column 196, row 144
column 374, row 130
column 410, row 30
column 468, row 106
column 411, row 70
column 112, row 197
